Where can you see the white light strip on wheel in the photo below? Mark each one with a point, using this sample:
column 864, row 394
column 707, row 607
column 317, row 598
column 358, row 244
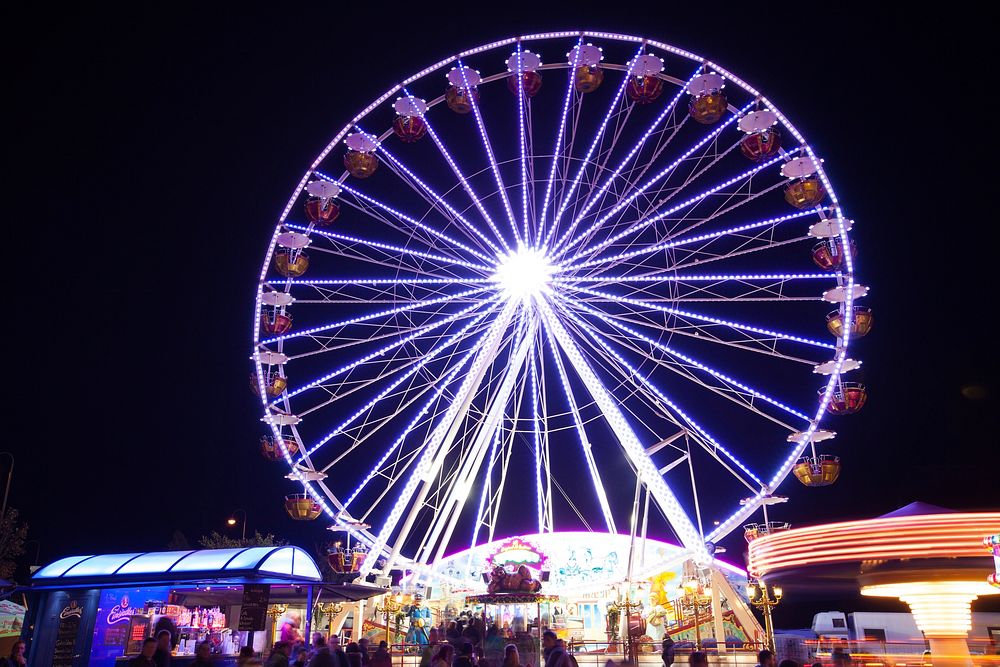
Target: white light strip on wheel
column 483, row 360
column 536, row 432
column 645, row 222
column 683, row 357
column 558, row 250
column 697, row 278
column 665, row 498
column 461, row 177
column 406, row 218
column 372, row 316
column 388, row 247
column 593, row 199
column 424, row 360
column 588, row 454
column 640, row 377
column 590, row 151
column 522, row 142
column 449, row 378
column 695, row 316
column 438, row 199
column 694, row 239
column 489, row 154
column 557, row 149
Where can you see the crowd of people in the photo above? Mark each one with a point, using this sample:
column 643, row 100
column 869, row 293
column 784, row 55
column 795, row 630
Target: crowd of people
column 468, row 642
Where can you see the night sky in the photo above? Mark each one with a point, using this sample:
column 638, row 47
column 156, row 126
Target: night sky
column 154, row 149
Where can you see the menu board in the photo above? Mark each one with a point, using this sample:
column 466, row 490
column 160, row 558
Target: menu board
column 137, row 633
column 69, row 625
column 253, row 612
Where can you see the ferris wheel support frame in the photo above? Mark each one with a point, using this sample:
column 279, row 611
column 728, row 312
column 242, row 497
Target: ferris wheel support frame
column 689, row 536
column 443, row 434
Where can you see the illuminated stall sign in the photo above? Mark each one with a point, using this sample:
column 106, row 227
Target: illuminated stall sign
column 515, row 552
column 115, row 610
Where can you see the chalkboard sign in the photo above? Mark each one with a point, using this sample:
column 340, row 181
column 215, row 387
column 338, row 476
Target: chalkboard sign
column 253, row 613
column 69, row 625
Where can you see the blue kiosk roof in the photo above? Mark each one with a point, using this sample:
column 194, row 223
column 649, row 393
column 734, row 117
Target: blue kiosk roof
column 282, row 563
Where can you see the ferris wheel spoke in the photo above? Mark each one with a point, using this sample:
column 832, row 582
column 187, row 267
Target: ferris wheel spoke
column 389, row 312
column 445, row 430
column 522, row 144
column 567, row 196
column 648, row 220
column 436, row 200
column 388, row 249
column 557, row 150
column 679, row 520
column 411, row 221
column 476, row 200
column 707, row 238
column 730, row 382
column 501, row 188
column 439, row 390
column 561, row 249
column 706, row 334
column 411, row 366
column 381, row 352
column 595, row 475
column 595, row 197
column 634, row 376
column 472, row 463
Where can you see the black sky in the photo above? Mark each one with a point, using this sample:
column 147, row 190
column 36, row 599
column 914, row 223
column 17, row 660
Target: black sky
column 154, row 148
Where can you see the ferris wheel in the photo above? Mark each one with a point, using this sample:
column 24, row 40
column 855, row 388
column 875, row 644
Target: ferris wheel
column 546, row 280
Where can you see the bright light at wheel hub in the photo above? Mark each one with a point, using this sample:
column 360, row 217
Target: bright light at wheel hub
column 523, row 273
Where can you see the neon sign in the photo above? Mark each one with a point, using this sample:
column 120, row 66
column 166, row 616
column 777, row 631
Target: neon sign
column 120, row 612
column 72, row 610
column 517, row 551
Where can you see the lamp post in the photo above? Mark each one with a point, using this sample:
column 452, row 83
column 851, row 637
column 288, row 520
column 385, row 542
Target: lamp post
column 331, row 609
column 392, row 602
column 232, row 521
column 765, row 598
column 696, row 595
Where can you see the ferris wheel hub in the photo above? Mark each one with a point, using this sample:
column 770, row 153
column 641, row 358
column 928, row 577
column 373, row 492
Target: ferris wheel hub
column 524, row 273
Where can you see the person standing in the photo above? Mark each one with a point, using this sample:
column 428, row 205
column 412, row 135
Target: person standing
column 427, row 651
column 145, row 658
column 444, row 655
column 16, row 657
column 700, row 659
column 511, row 656
column 555, row 655
column 382, row 657
column 765, row 658
column 668, row 651
column 280, row 653
column 290, row 628
column 162, row 655
column 301, row 657
column 365, row 646
column 203, row 655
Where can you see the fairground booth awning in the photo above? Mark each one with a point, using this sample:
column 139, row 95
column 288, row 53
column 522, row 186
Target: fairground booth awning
column 101, row 606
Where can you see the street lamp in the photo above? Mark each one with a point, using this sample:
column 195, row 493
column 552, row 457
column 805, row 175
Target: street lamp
column 694, row 596
column 765, row 598
column 392, row 603
column 232, row 521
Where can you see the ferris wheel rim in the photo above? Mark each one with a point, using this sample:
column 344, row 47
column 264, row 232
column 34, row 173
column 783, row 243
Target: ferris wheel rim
column 838, row 220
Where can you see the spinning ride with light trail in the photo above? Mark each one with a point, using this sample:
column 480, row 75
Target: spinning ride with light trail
column 545, row 282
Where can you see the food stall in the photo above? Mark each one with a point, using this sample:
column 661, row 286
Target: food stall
column 97, row 609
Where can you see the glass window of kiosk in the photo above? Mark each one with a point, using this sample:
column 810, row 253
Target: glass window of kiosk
column 192, row 615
